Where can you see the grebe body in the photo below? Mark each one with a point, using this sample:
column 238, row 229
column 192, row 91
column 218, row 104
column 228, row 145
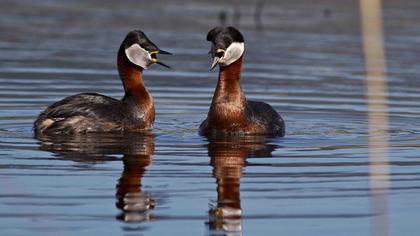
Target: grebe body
column 92, row 112
column 230, row 112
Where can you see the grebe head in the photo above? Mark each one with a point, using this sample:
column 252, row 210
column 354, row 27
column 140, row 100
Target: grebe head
column 140, row 50
column 227, row 45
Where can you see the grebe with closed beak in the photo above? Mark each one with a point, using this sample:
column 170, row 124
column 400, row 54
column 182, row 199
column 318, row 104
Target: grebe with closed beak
column 92, row 112
column 230, row 112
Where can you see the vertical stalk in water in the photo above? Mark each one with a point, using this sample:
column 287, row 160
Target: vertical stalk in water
column 373, row 47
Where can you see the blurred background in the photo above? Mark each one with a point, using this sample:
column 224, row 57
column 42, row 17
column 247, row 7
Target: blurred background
column 305, row 58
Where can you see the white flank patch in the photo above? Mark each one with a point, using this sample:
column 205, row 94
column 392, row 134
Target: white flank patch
column 138, row 55
column 45, row 124
column 232, row 53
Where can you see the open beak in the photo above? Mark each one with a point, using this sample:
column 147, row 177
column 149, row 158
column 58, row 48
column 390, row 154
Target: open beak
column 155, row 60
column 164, row 52
column 217, row 57
column 163, row 64
column 215, row 62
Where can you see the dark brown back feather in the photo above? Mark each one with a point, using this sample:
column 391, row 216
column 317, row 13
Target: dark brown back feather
column 263, row 113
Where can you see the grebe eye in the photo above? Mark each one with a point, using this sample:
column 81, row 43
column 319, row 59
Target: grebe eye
column 220, row 54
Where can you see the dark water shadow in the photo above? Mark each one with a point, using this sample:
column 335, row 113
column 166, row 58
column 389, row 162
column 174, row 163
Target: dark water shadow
column 134, row 204
column 228, row 159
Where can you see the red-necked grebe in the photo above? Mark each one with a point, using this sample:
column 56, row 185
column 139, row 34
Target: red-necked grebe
column 92, row 112
column 230, row 112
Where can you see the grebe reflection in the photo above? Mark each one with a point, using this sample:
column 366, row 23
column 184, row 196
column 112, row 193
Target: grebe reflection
column 134, row 204
column 228, row 158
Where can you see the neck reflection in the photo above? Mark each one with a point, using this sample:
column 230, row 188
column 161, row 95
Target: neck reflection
column 228, row 158
column 134, row 204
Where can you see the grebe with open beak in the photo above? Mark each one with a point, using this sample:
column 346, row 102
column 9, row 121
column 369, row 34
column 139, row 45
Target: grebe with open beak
column 92, row 112
column 230, row 112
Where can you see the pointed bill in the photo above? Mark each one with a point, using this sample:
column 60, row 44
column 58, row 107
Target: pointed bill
column 162, row 64
column 215, row 61
column 164, row 52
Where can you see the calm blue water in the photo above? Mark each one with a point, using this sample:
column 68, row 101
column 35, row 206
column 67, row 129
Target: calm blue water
column 174, row 182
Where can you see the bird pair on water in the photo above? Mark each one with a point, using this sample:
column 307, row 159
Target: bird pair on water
column 230, row 113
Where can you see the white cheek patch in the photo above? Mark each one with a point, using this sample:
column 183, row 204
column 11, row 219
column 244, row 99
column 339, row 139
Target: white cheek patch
column 232, row 53
column 138, row 55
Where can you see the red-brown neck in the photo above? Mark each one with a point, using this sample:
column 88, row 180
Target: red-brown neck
column 228, row 88
column 132, row 78
column 229, row 103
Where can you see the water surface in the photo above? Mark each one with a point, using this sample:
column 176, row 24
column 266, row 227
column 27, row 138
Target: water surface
column 307, row 65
